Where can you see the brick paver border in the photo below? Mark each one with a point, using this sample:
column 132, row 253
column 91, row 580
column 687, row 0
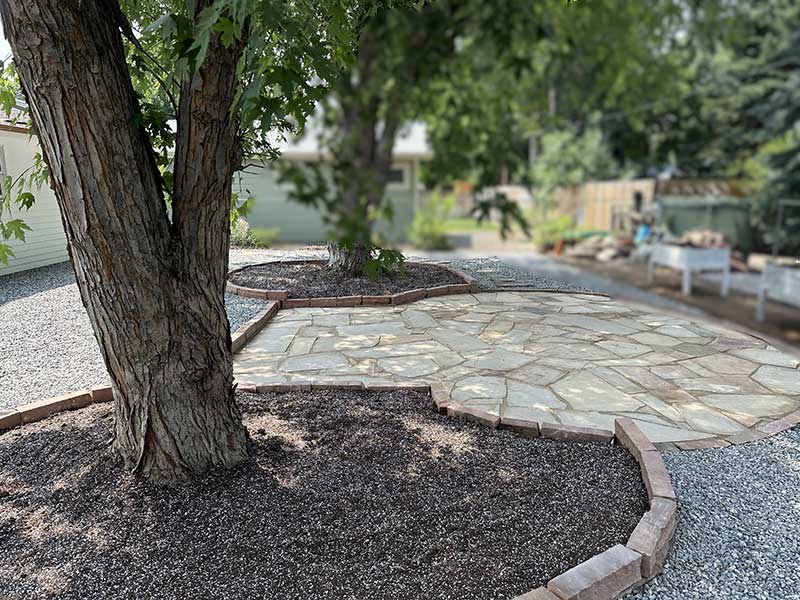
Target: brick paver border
column 282, row 296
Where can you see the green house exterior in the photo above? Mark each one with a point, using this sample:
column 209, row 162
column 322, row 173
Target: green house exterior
column 272, row 207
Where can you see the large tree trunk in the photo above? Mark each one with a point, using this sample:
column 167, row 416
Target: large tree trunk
column 351, row 260
column 153, row 289
column 362, row 151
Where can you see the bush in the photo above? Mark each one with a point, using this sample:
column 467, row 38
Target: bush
column 547, row 233
column 266, row 236
column 429, row 228
column 242, row 236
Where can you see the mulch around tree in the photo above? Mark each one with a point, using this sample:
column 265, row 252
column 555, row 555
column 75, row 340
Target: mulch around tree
column 349, row 495
column 315, row 280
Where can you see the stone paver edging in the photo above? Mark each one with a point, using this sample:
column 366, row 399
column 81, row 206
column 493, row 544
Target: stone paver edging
column 282, row 296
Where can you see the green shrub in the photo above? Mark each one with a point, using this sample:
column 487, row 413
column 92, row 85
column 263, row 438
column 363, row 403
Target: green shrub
column 429, row 227
column 547, row 233
column 266, row 236
column 243, row 236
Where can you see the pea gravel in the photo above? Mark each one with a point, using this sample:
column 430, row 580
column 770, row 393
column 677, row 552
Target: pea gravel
column 738, row 535
column 314, row 280
column 350, row 495
column 47, row 347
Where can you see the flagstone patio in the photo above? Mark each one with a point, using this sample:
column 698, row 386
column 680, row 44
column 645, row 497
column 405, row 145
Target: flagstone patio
column 576, row 359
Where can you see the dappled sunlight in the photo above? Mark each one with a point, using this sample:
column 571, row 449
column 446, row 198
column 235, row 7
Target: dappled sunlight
column 328, row 468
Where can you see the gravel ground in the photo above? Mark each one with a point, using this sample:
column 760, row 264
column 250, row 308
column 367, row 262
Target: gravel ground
column 738, row 535
column 490, row 271
column 47, row 346
column 314, row 280
column 349, row 495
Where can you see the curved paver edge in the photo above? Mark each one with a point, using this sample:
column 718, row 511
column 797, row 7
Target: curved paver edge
column 282, row 296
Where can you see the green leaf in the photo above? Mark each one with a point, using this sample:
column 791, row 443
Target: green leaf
column 6, row 253
column 26, row 200
column 15, row 228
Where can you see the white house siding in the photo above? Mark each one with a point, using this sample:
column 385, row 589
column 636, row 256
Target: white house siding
column 46, row 244
column 272, row 207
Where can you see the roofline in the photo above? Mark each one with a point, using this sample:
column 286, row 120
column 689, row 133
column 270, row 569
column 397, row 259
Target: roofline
column 13, row 128
column 298, row 155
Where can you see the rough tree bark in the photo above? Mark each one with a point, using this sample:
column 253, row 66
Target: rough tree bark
column 153, row 288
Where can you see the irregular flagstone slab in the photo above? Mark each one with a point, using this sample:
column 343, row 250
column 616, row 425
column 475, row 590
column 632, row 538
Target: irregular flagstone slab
column 671, row 371
column 332, row 320
column 730, row 384
column 664, row 409
column 419, row 319
column 388, row 328
column 645, row 378
column 409, row 367
column 577, row 351
column 624, row 349
column 726, row 364
column 655, row 339
column 278, row 339
column 458, row 342
column 590, row 323
column 581, row 361
column 531, row 414
column 447, row 358
column 665, row 357
column 586, row 391
column 677, row 331
column 702, row 418
column 779, row 379
column 479, row 387
column 498, row 360
column 473, row 329
column 426, row 348
column 301, row 345
column 523, row 394
column 768, row 356
column 536, row 374
column 312, row 362
column 660, row 433
column 355, row 342
column 514, row 337
column 587, row 419
column 618, row 381
column 751, row 404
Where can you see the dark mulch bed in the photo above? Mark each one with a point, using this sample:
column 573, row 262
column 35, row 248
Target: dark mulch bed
column 315, row 280
column 349, row 495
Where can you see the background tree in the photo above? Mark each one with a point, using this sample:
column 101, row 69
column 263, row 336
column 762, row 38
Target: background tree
column 152, row 279
column 486, row 78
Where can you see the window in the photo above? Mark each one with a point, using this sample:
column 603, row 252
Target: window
column 398, row 177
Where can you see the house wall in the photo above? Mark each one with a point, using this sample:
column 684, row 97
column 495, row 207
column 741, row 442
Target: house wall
column 299, row 223
column 46, row 244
